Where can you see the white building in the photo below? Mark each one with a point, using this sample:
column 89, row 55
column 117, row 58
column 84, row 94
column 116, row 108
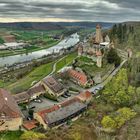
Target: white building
column 105, row 44
column 12, row 45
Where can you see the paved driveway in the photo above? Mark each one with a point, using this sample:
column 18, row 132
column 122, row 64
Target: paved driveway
column 46, row 103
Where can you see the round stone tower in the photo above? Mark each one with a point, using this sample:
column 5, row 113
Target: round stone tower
column 99, row 58
column 99, row 37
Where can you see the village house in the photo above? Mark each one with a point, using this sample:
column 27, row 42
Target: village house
column 85, row 96
column 59, row 114
column 53, row 87
column 29, row 95
column 22, row 97
column 10, row 114
column 36, row 91
column 78, row 77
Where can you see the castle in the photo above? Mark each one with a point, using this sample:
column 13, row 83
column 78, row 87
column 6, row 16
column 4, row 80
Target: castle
column 93, row 50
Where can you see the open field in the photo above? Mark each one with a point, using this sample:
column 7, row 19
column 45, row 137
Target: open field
column 38, row 40
column 5, row 53
column 36, row 75
column 65, row 61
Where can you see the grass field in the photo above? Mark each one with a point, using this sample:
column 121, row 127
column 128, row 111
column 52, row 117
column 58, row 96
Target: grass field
column 65, row 61
column 10, row 135
column 36, row 75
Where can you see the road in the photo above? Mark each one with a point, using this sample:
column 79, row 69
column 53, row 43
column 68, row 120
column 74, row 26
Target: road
column 101, row 85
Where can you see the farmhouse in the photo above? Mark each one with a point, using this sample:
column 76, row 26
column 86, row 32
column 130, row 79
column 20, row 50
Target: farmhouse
column 36, row 91
column 53, row 87
column 59, row 114
column 22, row 97
column 78, row 77
column 85, row 96
column 10, row 114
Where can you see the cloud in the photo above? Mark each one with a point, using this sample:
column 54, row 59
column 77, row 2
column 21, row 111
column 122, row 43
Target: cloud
column 71, row 10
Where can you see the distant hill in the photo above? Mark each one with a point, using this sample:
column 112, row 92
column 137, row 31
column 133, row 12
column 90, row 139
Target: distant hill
column 85, row 24
column 32, row 26
column 53, row 25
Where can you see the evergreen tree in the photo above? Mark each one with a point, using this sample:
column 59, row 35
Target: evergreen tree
column 112, row 57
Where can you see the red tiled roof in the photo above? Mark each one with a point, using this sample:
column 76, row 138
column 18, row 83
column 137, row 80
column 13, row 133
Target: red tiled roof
column 29, row 125
column 84, row 96
column 43, row 112
column 79, row 76
column 8, row 105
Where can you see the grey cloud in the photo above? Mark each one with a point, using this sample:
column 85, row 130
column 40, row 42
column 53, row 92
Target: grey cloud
column 101, row 10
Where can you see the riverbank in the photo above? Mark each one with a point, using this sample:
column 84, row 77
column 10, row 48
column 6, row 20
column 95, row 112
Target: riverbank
column 31, row 49
column 67, row 43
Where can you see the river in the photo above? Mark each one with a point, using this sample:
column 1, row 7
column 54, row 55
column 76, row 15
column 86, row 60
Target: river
column 66, row 43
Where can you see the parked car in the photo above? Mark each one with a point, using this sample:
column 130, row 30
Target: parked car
column 68, row 94
column 32, row 107
column 38, row 100
column 64, row 96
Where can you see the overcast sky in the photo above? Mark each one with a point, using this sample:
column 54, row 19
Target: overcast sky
column 69, row 10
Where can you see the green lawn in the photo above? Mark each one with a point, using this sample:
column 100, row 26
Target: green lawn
column 85, row 59
column 10, row 135
column 36, row 75
column 65, row 61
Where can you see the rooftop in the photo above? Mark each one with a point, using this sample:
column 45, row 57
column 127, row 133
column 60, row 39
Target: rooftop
column 83, row 96
column 53, row 84
column 8, row 105
column 29, row 125
column 11, row 44
column 21, row 97
column 35, row 90
column 61, row 111
column 79, row 76
column 64, row 112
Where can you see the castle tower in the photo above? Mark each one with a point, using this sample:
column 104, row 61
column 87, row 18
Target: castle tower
column 98, row 38
column 99, row 58
column 80, row 49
